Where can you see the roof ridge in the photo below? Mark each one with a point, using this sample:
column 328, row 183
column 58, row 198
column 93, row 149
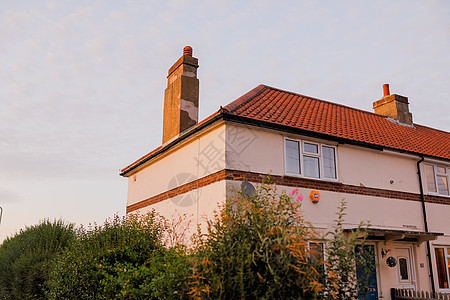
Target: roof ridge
column 326, row 101
column 347, row 107
column 428, row 127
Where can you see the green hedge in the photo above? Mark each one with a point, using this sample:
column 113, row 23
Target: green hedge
column 26, row 259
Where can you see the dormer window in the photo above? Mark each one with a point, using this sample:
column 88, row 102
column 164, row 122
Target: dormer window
column 310, row 159
column 437, row 179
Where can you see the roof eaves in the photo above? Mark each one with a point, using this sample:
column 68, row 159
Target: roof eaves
column 161, row 149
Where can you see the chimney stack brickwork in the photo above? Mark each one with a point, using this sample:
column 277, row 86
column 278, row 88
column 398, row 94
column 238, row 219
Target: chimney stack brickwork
column 393, row 106
column 181, row 96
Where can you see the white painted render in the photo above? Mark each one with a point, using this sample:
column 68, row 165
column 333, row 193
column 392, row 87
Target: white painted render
column 439, row 221
column 253, row 150
column 201, row 156
column 356, row 165
column 205, row 201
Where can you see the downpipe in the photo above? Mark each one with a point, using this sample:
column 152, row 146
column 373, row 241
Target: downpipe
column 425, row 221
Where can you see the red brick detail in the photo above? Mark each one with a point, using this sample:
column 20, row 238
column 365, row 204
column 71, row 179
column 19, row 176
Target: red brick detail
column 204, row 181
column 437, row 199
column 286, row 181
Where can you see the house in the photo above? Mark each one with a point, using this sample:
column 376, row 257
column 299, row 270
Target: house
column 390, row 171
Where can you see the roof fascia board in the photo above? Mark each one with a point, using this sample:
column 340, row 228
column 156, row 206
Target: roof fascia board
column 138, row 165
column 402, row 154
column 437, row 161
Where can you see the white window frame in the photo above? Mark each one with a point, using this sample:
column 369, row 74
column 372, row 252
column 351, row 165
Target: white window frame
column 436, row 174
column 318, row 155
column 447, row 259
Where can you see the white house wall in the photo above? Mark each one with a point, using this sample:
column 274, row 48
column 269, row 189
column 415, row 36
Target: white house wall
column 204, row 201
column 441, row 223
column 202, row 156
column 253, row 150
column 264, row 153
column 377, row 169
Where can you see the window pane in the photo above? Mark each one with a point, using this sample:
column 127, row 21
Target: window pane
column 292, row 157
column 442, row 182
column 316, row 252
column 403, row 264
column 448, row 267
column 329, row 164
column 311, row 148
column 311, row 166
column 317, row 257
column 441, row 170
column 441, row 269
column 430, row 178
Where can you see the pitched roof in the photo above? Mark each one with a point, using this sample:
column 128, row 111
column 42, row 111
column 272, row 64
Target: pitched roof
column 277, row 108
column 280, row 107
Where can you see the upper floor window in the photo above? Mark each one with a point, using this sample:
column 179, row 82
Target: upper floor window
column 310, row 159
column 437, row 179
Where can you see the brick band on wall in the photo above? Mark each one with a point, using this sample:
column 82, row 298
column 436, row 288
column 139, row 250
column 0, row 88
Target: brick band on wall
column 286, row 181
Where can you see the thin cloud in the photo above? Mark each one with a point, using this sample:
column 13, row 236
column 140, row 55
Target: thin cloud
column 7, row 197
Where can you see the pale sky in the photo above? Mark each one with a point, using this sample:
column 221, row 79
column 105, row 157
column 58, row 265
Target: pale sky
column 82, row 82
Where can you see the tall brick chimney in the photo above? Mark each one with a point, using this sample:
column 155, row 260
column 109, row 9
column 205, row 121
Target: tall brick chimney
column 181, row 96
column 393, row 106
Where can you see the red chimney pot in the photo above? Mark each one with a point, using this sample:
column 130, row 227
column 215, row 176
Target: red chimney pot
column 386, row 89
column 187, row 50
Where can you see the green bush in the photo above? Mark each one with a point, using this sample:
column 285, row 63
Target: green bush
column 26, row 259
column 257, row 248
column 125, row 258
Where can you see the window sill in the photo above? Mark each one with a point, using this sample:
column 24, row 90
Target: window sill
column 311, row 178
column 439, row 195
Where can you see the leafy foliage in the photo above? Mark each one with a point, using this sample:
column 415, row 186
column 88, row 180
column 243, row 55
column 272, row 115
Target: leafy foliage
column 342, row 281
column 26, row 258
column 109, row 261
column 257, row 247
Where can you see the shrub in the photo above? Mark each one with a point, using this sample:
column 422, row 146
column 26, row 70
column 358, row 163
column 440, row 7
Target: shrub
column 342, row 281
column 26, row 259
column 257, row 248
column 103, row 260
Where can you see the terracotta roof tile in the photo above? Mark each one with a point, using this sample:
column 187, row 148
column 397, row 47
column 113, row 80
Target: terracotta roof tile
column 272, row 105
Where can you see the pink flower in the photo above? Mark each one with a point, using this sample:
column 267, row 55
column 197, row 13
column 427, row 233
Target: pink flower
column 294, row 191
column 300, row 198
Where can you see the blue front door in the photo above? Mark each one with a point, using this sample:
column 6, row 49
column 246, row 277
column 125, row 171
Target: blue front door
column 366, row 272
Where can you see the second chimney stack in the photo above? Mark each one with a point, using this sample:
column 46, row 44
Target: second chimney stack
column 393, row 106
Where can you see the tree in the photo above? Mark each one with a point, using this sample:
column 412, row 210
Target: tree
column 26, row 258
